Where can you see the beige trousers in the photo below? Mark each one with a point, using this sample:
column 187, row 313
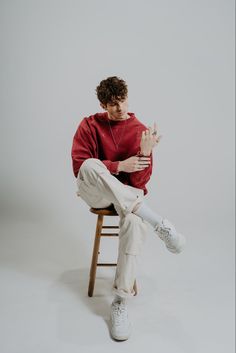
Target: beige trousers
column 99, row 188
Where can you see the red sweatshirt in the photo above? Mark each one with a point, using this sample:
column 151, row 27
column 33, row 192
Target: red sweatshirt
column 93, row 139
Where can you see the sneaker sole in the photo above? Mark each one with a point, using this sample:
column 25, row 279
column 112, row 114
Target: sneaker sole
column 121, row 338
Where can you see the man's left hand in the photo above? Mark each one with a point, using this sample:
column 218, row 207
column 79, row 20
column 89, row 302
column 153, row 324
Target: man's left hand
column 150, row 138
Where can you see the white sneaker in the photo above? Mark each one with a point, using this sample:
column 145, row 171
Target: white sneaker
column 174, row 241
column 120, row 325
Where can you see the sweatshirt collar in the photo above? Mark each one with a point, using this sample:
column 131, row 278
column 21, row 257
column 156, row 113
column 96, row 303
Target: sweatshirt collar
column 104, row 117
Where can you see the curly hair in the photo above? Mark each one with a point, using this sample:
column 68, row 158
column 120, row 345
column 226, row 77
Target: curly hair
column 111, row 89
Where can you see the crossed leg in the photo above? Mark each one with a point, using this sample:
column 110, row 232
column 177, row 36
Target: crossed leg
column 99, row 188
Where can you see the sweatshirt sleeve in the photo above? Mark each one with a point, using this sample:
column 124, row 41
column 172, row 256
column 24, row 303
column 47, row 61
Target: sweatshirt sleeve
column 140, row 178
column 84, row 146
column 111, row 166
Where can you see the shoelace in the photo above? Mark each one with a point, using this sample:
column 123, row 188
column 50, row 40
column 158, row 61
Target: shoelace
column 119, row 311
column 165, row 233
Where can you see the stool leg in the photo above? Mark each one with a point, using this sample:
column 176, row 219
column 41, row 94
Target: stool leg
column 96, row 246
column 135, row 288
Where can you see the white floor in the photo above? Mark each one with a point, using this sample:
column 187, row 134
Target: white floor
column 185, row 302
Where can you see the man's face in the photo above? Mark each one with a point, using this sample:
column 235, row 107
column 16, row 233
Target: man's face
column 118, row 109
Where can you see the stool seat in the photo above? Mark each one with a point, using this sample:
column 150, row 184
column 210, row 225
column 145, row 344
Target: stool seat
column 108, row 211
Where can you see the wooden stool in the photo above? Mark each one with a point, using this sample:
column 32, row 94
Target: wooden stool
column 101, row 212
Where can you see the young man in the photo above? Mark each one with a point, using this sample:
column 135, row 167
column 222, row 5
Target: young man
column 112, row 161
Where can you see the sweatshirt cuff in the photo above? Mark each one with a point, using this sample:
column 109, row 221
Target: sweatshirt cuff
column 112, row 166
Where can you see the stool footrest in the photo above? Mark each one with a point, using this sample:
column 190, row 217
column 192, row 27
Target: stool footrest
column 109, row 234
column 110, row 226
column 103, row 264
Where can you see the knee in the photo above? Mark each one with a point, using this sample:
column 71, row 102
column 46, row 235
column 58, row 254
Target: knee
column 88, row 164
column 91, row 165
column 90, row 169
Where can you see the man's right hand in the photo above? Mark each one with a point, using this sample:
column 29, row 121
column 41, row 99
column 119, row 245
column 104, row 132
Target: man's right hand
column 134, row 164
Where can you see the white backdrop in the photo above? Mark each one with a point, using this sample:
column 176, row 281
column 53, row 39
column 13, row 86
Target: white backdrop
column 177, row 58
column 178, row 61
